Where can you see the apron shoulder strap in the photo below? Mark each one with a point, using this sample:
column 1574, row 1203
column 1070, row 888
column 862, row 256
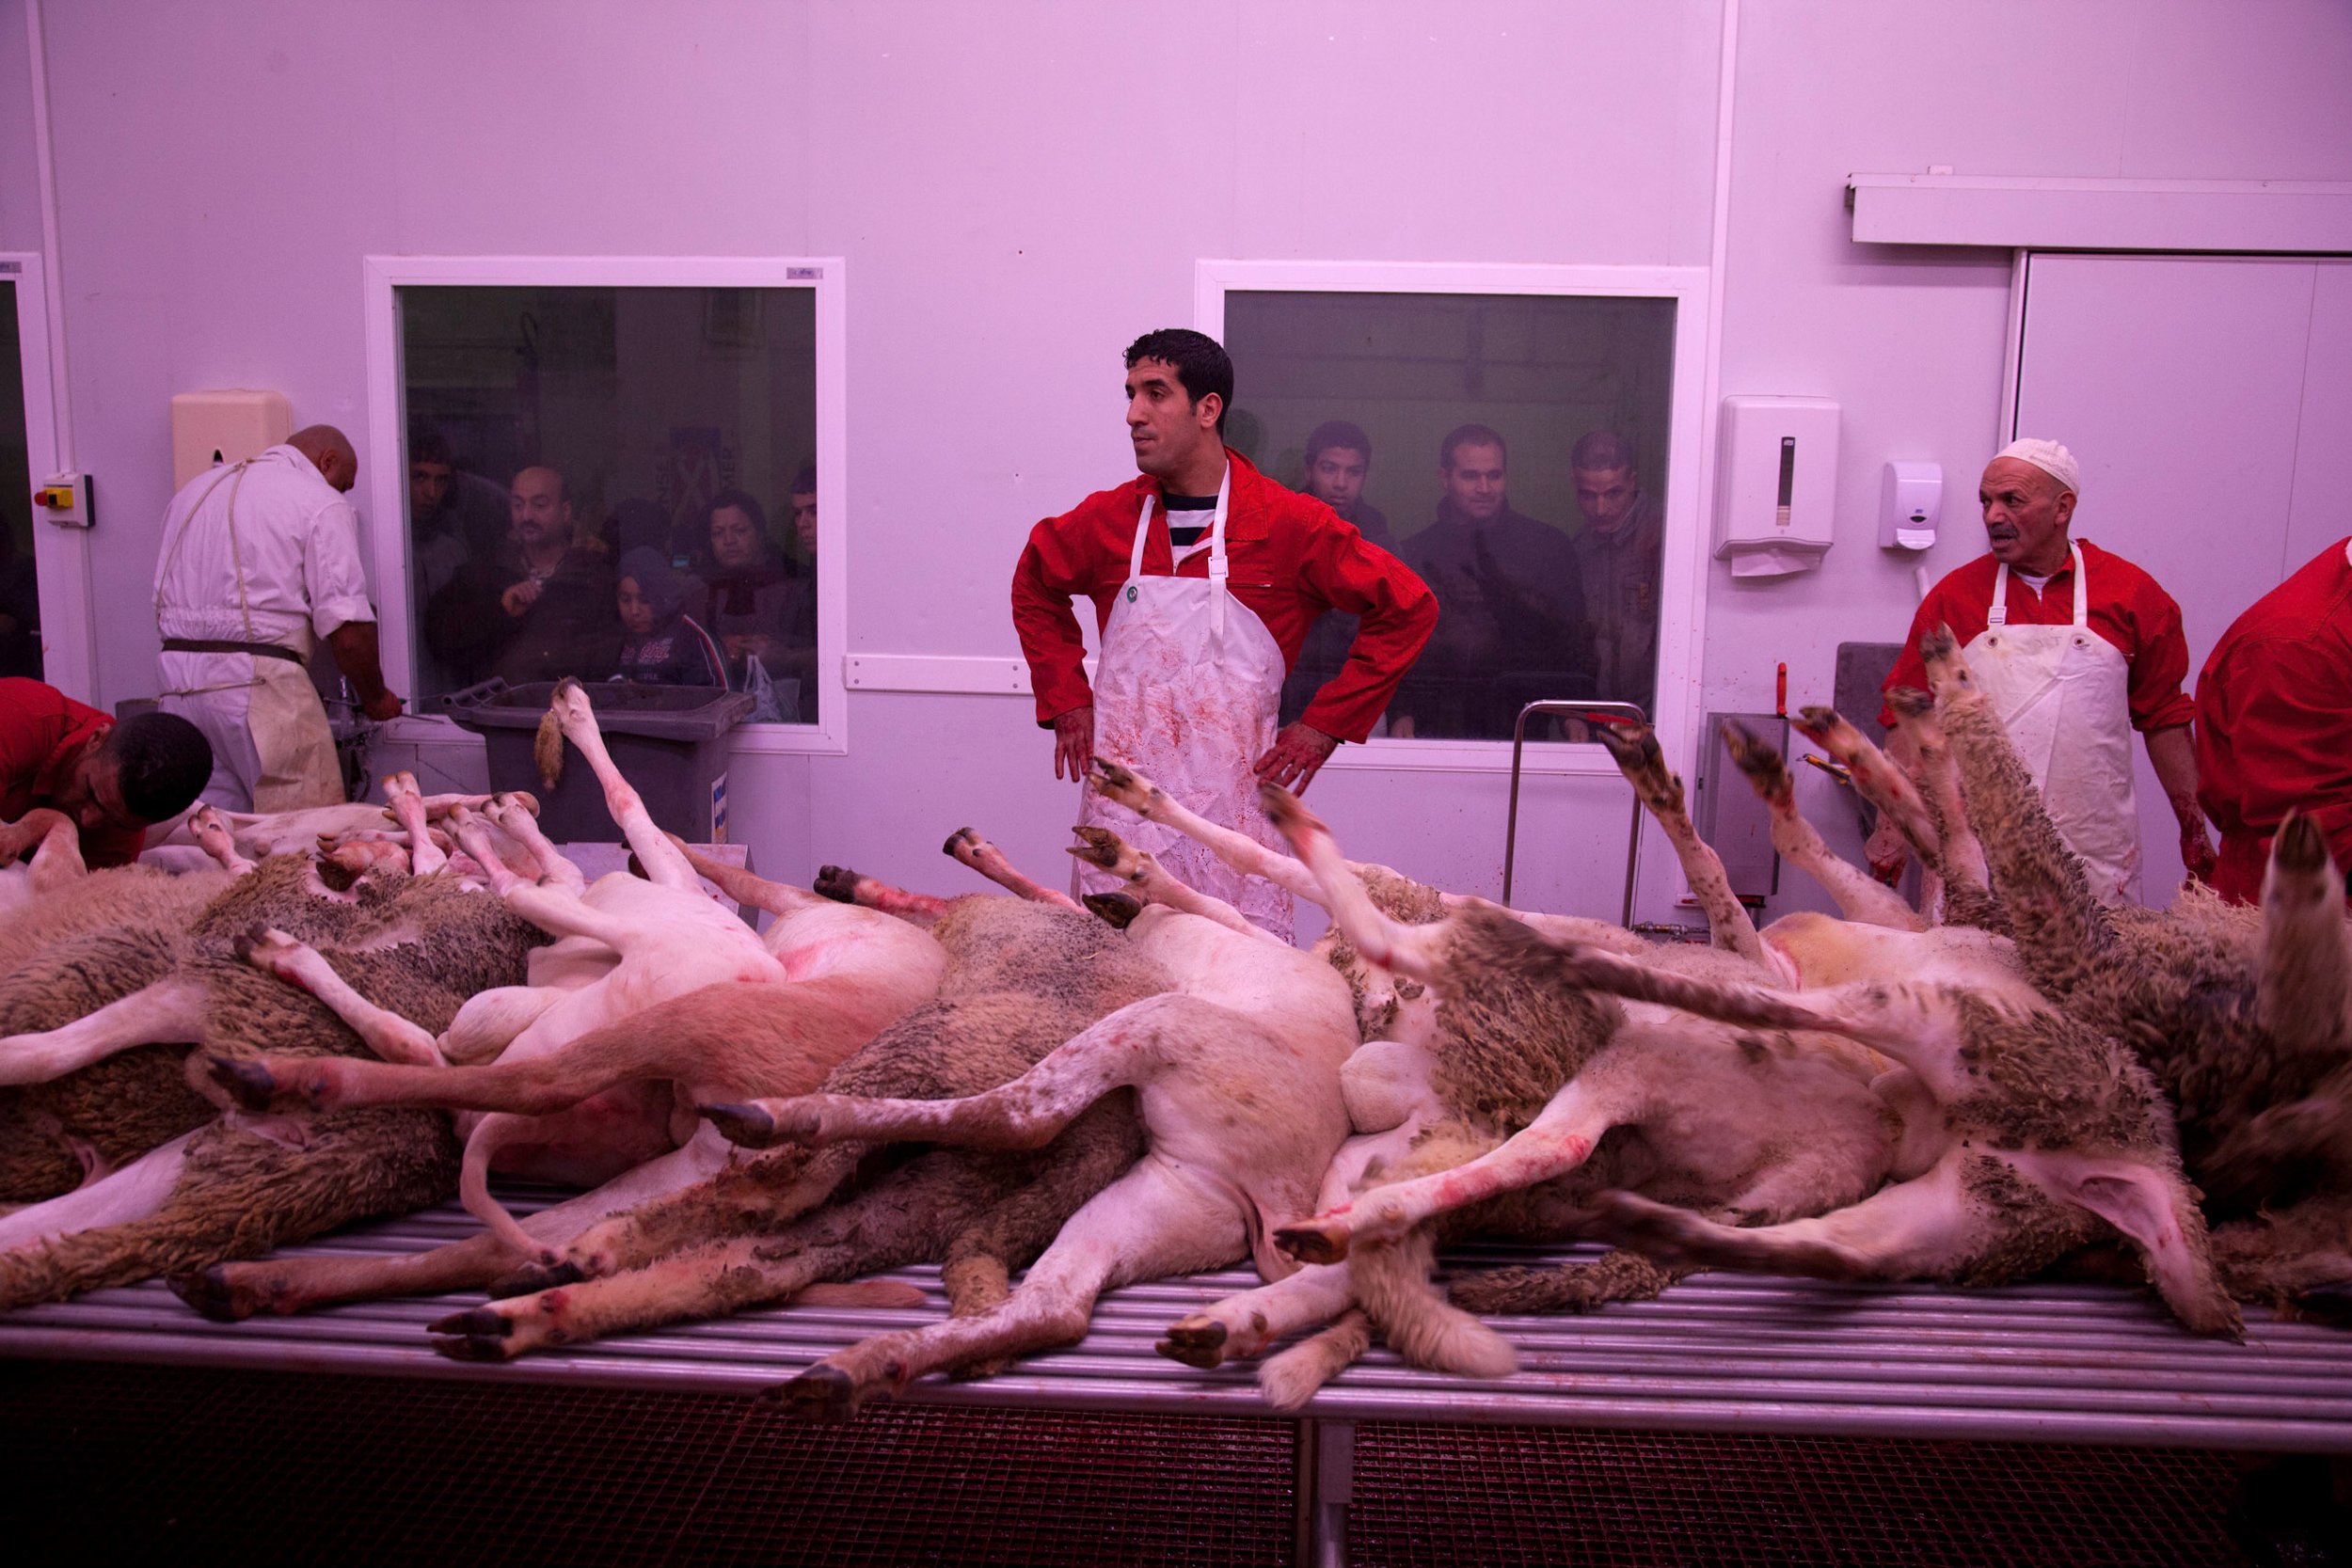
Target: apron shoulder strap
column 1997, row 615
column 2082, row 586
column 1143, row 531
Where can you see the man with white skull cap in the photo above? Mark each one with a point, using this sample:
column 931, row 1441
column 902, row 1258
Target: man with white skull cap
column 2076, row 647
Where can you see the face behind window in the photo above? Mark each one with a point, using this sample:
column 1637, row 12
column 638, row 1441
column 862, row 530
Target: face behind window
column 734, row 540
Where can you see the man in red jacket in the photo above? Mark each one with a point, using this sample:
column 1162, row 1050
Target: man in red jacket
column 2077, row 648
column 2274, row 721
column 1205, row 577
column 113, row 780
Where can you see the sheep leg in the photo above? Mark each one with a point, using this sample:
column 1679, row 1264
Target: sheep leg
column 1027, row 1113
column 1561, row 1138
column 1615, row 1276
column 133, row 1192
column 385, row 1033
column 214, row 836
column 1241, row 1325
column 1914, row 1024
column 844, row 886
column 1859, row 896
column 2039, row 882
column 1154, row 1221
column 753, row 892
column 661, row 860
column 511, row 817
column 57, row 862
column 1291, row 1379
column 1875, row 776
column 490, row 1020
column 406, row 804
column 473, row 836
column 238, row 1193
column 229, row 1292
column 1923, row 1228
column 1122, row 785
column 564, row 915
column 1659, row 790
column 761, row 1194
column 1417, row 952
column 895, row 1222
column 1961, row 865
column 167, row 1011
column 2303, row 996
column 1156, row 884
column 970, row 849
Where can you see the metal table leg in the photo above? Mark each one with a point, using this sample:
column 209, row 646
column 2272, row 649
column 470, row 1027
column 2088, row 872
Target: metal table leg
column 1631, row 712
column 1328, row 1485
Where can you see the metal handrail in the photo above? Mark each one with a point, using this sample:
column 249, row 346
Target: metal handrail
column 1570, row 708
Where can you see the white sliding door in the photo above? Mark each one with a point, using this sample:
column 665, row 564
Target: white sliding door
column 2209, row 400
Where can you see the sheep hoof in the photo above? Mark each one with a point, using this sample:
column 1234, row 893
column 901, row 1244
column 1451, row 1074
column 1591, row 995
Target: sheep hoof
column 963, row 836
column 248, row 1083
column 1116, row 910
column 475, row 1321
column 836, row 882
column 747, row 1125
column 2298, row 846
column 1196, row 1342
column 533, row 1277
column 820, row 1394
column 213, row 1293
column 1314, row 1242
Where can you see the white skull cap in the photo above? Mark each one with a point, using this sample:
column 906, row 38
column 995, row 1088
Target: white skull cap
column 2050, row 458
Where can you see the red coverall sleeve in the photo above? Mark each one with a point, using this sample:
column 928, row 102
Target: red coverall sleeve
column 1395, row 612
column 2158, row 702
column 1910, row 668
column 1059, row 560
column 2278, row 740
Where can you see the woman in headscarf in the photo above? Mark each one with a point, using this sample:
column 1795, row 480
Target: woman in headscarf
column 661, row 644
column 758, row 607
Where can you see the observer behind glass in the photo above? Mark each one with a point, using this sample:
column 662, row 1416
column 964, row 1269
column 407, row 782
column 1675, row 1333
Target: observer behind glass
column 258, row 558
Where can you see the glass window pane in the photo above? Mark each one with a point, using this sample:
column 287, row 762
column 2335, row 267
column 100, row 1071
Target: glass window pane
column 20, row 596
column 613, row 484
column 1511, row 447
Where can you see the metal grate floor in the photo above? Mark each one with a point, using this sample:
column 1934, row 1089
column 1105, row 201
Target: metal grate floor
column 1436, row 1494
column 201, row 1465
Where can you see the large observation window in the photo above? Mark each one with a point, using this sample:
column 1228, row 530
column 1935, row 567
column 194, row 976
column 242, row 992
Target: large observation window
column 1518, row 437
column 614, row 476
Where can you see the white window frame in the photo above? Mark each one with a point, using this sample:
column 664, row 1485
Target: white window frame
column 61, row 563
column 386, row 475
column 1682, row 594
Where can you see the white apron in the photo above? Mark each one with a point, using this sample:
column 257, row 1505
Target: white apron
column 1187, row 690
column 2065, row 694
column 272, row 749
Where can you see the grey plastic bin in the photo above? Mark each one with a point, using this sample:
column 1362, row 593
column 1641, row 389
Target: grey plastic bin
column 669, row 741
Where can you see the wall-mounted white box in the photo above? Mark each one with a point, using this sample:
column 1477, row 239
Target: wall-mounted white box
column 228, row 425
column 1777, row 494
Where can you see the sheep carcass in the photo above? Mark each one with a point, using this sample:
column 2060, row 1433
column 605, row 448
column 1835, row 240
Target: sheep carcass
column 420, row 944
column 1022, row 978
column 2243, row 1017
column 1236, row 1073
column 1486, row 1105
column 585, row 1089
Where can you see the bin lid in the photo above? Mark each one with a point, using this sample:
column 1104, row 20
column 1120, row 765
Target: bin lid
column 685, row 713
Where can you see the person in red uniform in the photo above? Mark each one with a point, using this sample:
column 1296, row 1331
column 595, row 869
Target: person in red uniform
column 113, row 780
column 1205, row 577
column 2076, row 647
column 2274, row 721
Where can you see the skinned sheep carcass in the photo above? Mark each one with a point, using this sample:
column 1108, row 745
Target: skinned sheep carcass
column 1022, row 977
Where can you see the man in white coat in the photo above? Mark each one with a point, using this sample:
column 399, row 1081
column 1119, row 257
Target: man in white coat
column 259, row 559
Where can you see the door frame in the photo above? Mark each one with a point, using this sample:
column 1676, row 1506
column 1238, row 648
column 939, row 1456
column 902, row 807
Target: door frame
column 69, row 642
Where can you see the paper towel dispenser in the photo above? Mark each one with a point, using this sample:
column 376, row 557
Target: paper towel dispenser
column 225, row 426
column 1777, row 491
